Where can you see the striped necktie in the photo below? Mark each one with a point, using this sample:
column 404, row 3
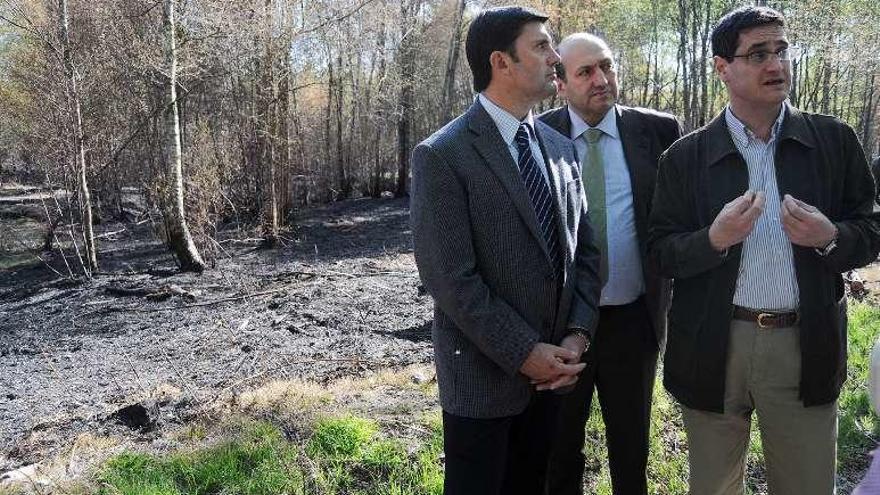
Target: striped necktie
column 539, row 193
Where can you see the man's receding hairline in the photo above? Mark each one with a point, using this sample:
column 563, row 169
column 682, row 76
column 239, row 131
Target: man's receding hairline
column 582, row 39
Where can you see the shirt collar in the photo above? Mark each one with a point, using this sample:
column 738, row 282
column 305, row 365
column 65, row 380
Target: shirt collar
column 608, row 124
column 741, row 134
column 506, row 123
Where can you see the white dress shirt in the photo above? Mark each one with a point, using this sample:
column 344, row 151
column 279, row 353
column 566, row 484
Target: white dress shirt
column 766, row 272
column 508, row 125
column 626, row 281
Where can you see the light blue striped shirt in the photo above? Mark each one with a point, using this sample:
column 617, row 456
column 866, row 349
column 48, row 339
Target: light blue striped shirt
column 767, row 277
column 508, row 125
column 626, row 281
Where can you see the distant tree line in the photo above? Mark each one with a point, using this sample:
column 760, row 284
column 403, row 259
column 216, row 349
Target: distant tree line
column 215, row 109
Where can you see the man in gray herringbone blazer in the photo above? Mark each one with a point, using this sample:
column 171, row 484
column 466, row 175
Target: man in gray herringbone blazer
column 503, row 244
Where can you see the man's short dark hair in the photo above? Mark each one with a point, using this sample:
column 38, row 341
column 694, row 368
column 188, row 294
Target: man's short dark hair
column 725, row 36
column 494, row 30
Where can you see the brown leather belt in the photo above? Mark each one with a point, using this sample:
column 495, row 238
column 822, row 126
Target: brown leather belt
column 766, row 319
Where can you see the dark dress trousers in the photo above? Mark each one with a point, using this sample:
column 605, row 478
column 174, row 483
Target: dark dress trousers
column 621, row 363
column 483, row 259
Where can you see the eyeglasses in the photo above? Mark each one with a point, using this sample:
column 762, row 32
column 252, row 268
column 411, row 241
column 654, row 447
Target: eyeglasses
column 760, row 57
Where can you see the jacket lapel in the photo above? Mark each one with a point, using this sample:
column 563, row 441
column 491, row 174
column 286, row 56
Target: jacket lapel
column 494, row 151
column 636, row 151
column 548, row 142
column 561, row 121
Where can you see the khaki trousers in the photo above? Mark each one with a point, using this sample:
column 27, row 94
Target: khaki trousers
column 799, row 443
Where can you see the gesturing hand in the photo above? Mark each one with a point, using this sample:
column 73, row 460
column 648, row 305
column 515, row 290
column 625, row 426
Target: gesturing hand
column 805, row 225
column 551, row 366
column 736, row 220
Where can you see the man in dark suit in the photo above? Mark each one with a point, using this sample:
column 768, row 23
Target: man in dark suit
column 618, row 150
column 503, row 244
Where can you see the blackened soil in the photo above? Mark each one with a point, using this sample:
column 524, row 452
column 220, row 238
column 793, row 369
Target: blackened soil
column 339, row 297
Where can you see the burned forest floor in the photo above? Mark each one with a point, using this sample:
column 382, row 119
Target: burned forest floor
column 143, row 347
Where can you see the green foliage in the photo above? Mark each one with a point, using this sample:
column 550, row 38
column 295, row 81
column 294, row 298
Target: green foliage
column 257, row 462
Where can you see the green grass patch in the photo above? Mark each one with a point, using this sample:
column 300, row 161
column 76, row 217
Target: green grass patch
column 345, row 455
column 257, row 462
column 667, row 459
column 354, row 456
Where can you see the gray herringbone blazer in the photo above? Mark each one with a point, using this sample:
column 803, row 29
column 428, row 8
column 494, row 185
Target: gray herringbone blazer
column 481, row 256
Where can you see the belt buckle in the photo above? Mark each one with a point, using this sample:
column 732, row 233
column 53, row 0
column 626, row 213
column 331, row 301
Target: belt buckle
column 761, row 317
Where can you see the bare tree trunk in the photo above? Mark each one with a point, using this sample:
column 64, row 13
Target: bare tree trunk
column 406, row 66
column 283, row 118
column 654, row 60
column 794, row 95
column 328, row 114
column 452, row 63
column 355, row 72
column 91, row 262
column 704, row 56
column 683, row 61
column 342, row 175
column 378, row 168
column 179, row 239
column 850, row 98
column 265, row 125
column 826, row 86
column 404, row 100
column 866, row 119
column 695, row 79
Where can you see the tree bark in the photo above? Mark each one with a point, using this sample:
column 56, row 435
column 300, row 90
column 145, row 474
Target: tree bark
column 90, row 263
column 406, row 68
column 683, row 62
column 342, row 175
column 452, row 63
column 266, row 130
column 179, row 238
column 704, row 56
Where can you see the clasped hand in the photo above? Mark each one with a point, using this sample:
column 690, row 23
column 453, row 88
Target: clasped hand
column 550, row 367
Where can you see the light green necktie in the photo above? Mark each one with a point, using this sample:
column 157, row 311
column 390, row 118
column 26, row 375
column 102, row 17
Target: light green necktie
column 593, row 173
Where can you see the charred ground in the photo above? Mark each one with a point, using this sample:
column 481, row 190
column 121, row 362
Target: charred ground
column 340, row 297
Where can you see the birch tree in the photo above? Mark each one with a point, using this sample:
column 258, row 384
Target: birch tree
column 179, row 238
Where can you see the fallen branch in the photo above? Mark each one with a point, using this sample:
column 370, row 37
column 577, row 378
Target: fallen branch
column 109, row 234
column 194, row 305
column 153, row 293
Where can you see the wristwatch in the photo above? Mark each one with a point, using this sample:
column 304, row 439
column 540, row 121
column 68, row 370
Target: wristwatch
column 580, row 332
column 829, row 248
